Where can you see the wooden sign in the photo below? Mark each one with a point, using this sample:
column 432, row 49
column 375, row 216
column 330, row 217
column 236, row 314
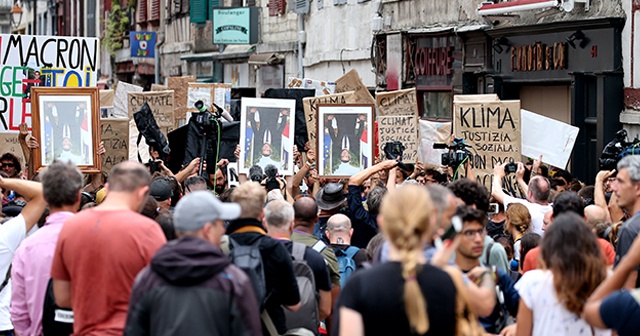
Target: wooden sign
column 180, row 86
column 311, row 111
column 492, row 128
column 351, row 81
column 115, row 136
column 161, row 104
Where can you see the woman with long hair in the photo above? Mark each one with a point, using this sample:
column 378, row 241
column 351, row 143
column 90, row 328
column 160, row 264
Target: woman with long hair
column 517, row 225
column 405, row 296
column 552, row 298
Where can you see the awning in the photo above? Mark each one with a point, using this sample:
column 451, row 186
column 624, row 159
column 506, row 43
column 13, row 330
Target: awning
column 266, row 59
column 515, row 6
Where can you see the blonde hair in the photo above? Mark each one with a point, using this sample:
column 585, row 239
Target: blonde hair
column 518, row 217
column 406, row 214
column 250, row 196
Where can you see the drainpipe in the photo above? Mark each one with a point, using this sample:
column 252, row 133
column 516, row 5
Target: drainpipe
column 302, row 38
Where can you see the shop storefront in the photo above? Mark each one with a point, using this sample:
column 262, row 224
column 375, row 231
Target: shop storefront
column 433, row 65
column 568, row 71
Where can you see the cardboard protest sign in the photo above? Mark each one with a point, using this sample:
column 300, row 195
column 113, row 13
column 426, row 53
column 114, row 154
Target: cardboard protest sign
column 9, row 143
column 399, row 128
column 322, row 87
column 106, row 98
column 161, row 104
column 222, row 95
column 135, row 149
column 180, row 86
column 158, row 87
column 351, row 81
column 398, row 121
column 294, row 83
column 311, row 111
column 493, row 129
column 199, row 91
column 433, row 132
column 121, row 100
column 29, row 61
column 556, row 144
column 115, row 136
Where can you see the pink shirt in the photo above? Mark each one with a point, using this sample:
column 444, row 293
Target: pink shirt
column 30, row 275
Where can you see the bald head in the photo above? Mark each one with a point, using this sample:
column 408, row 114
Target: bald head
column 339, row 223
column 306, row 210
column 546, row 221
column 339, row 229
column 595, row 215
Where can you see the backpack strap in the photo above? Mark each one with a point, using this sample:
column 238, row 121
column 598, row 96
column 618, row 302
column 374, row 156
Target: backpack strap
column 298, row 251
column 351, row 251
column 6, row 279
column 225, row 241
column 268, row 323
column 319, row 246
column 486, row 259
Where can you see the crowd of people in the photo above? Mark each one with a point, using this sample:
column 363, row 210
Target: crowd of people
column 391, row 250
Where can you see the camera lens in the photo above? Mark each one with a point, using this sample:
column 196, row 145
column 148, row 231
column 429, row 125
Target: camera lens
column 199, row 104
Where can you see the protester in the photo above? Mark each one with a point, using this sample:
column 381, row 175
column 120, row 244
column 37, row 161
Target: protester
column 517, row 225
column 496, row 222
column 537, row 195
column 95, row 243
column 191, row 287
column 330, row 200
column 364, row 221
column 552, row 300
column 31, row 269
column 160, row 190
column 165, row 220
column 12, row 233
column 468, row 260
column 625, row 189
column 194, row 183
column 279, row 221
column 406, row 295
column 10, row 165
column 611, row 306
column 350, row 258
column 281, row 287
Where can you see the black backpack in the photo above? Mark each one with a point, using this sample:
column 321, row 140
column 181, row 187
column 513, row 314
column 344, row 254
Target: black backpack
column 249, row 260
column 56, row 321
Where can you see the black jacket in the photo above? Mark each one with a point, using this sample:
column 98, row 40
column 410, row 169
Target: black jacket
column 191, row 288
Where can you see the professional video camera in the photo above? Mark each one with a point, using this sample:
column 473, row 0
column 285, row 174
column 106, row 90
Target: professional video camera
column 616, row 149
column 457, row 153
column 209, row 128
column 393, row 151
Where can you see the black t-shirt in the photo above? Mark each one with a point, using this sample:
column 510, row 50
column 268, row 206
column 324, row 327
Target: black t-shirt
column 360, row 257
column 282, row 288
column 378, row 295
column 316, row 262
column 495, row 228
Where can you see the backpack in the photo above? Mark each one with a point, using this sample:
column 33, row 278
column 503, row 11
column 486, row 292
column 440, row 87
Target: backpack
column 56, row 321
column 307, row 316
column 346, row 263
column 249, row 260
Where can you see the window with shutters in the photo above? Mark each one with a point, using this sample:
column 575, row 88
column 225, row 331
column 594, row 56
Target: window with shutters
column 277, row 7
column 198, row 11
column 154, row 15
column 142, row 11
column 212, row 4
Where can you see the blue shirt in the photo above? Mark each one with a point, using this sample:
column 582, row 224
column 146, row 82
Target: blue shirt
column 621, row 311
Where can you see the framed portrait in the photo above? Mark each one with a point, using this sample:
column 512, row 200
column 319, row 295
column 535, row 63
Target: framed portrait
column 345, row 139
column 66, row 123
column 267, row 128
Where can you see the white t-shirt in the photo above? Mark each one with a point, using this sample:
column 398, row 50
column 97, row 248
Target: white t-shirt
column 536, row 210
column 550, row 317
column 12, row 233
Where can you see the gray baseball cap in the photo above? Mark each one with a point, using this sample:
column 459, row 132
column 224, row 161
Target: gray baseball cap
column 200, row 207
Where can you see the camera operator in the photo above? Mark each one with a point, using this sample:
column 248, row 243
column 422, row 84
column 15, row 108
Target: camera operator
column 273, row 181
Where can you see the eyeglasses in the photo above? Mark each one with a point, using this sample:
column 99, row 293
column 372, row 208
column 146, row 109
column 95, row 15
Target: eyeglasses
column 8, row 165
column 472, row 233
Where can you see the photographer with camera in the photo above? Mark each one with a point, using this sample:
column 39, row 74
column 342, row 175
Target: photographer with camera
column 537, row 192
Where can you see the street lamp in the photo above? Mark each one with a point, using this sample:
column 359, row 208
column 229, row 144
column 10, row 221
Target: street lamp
column 16, row 15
